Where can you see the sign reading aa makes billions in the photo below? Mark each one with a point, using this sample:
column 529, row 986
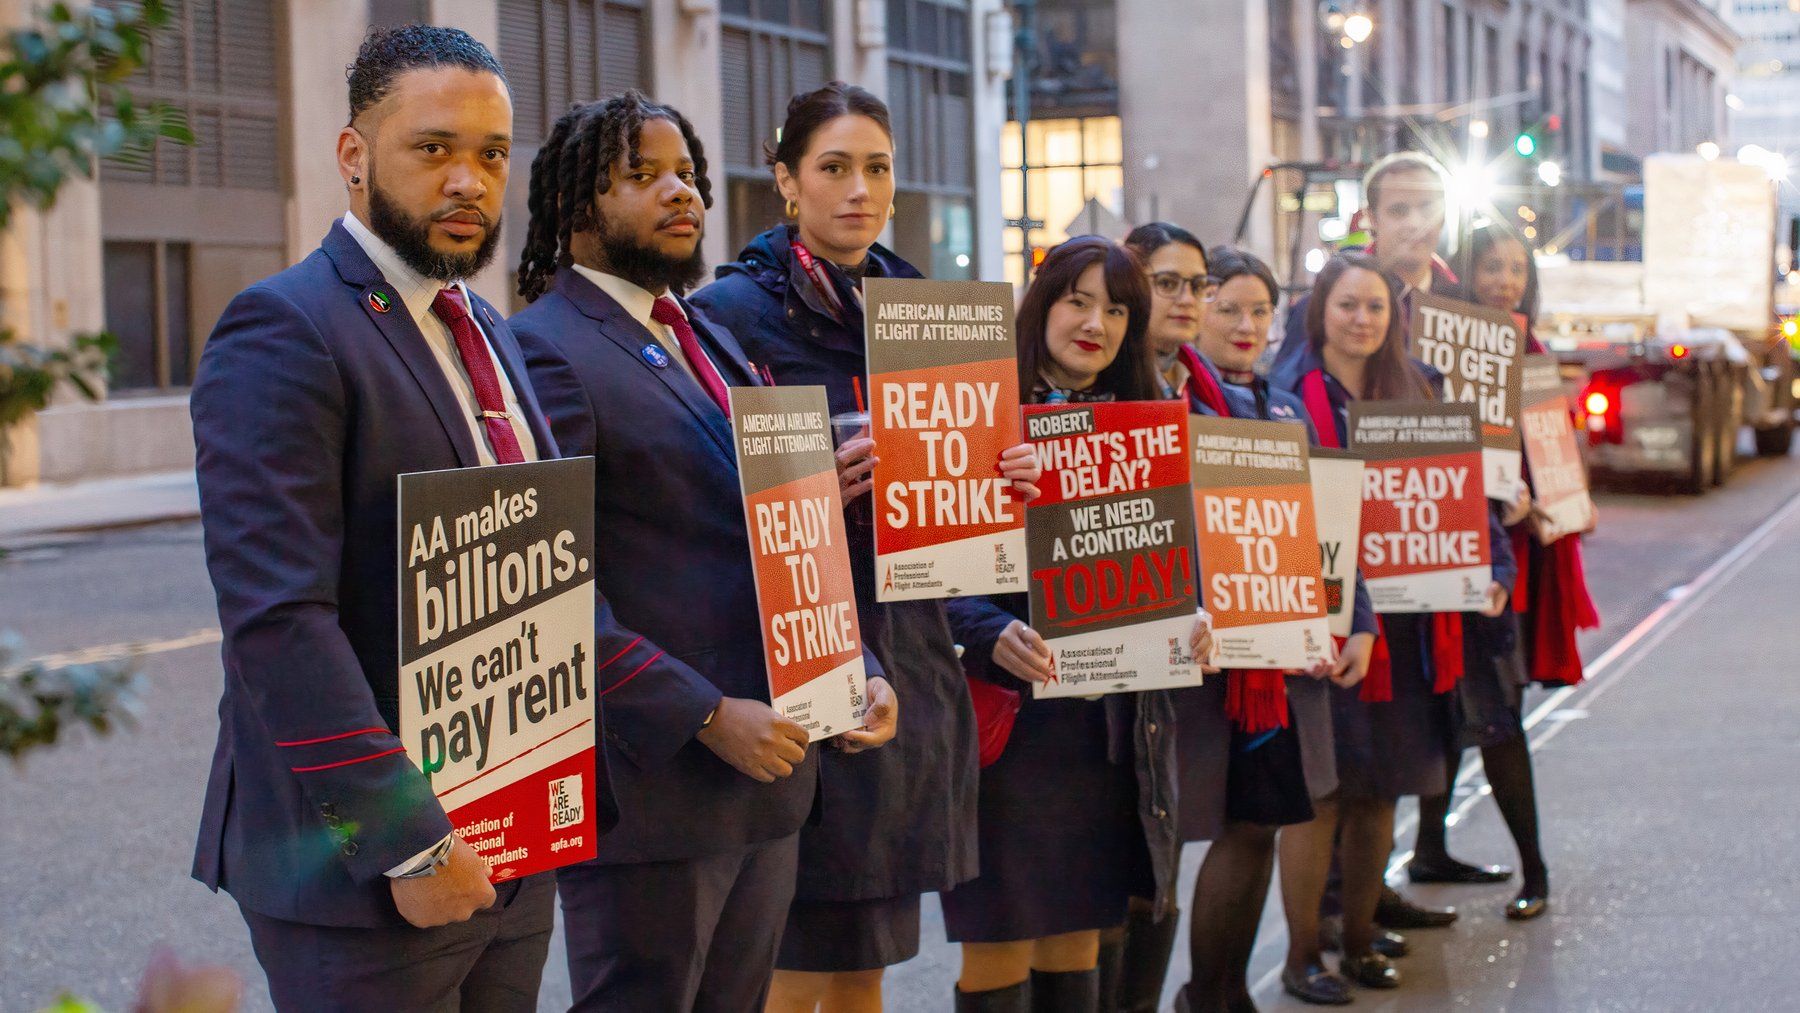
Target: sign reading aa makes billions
column 794, row 511
column 944, row 402
column 497, row 690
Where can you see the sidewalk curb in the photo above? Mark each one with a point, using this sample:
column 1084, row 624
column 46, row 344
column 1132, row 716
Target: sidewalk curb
column 49, row 513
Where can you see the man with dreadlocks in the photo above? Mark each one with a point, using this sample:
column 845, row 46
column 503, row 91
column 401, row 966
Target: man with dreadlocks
column 685, row 903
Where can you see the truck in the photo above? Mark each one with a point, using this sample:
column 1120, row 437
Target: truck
column 1671, row 355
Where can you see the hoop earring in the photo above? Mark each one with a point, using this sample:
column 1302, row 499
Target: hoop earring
column 793, row 210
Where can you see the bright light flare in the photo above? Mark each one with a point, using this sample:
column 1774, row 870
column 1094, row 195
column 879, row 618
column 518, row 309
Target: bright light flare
column 1359, row 27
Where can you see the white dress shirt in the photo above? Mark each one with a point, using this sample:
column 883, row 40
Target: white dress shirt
column 638, row 302
column 416, row 294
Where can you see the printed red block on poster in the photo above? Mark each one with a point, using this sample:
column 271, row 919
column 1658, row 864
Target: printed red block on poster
column 805, row 593
column 1425, row 513
column 943, row 404
column 498, row 698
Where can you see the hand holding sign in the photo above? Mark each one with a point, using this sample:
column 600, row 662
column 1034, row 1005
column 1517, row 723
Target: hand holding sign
column 856, row 463
column 1200, row 642
column 760, row 743
column 1021, row 651
column 1020, row 466
column 880, row 722
column 459, row 889
column 1353, row 661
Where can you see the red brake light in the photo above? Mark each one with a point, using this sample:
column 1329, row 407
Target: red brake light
column 1678, row 351
column 1597, row 403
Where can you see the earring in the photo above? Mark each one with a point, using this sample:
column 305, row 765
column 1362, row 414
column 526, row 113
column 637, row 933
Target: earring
column 354, row 180
column 793, row 210
column 890, row 212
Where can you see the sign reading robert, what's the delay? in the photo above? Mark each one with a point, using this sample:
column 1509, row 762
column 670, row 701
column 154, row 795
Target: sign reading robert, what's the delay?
column 812, row 642
column 944, row 402
column 1259, row 544
column 1110, row 544
column 1425, row 513
column 497, row 679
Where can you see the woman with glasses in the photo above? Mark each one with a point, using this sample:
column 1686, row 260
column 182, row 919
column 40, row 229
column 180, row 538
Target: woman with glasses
column 1175, row 260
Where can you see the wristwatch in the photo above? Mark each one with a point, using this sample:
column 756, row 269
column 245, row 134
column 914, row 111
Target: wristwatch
column 434, row 862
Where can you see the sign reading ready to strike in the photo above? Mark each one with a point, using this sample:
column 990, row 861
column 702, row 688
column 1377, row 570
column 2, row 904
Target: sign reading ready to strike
column 497, row 690
column 1259, row 544
column 1425, row 520
column 812, row 642
column 1481, row 353
column 1111, row 547
column 944, row 402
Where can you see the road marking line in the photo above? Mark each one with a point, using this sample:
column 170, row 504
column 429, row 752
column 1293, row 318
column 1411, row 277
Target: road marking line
column 1597, row 677
column 129, row 649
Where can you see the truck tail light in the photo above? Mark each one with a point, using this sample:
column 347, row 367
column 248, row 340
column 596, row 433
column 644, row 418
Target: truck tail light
column 1678, row 351
column 1597, row 403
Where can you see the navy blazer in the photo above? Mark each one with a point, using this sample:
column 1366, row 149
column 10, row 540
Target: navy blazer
column 673, row 557
column 311, row 398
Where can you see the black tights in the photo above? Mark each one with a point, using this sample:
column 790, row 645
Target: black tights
column 1228, row 907
column 1508, row 768
column 1364, row 831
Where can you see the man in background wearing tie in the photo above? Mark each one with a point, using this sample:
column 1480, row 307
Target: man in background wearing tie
column 317, row 388
column 684, row 905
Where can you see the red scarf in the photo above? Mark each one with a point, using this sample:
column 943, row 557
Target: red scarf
column 820, row 276
column 1557, row 596
column 1200, row 383
column 1446, row 627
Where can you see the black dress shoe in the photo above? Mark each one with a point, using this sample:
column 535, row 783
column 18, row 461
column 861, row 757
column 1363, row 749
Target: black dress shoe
column 1240, row 1004
column 1388, row 944
column 1449, row 870
column 1396, row 912
column 1526, row 906
column 1318, row 987
column 1392, row 945
column 1372, row 971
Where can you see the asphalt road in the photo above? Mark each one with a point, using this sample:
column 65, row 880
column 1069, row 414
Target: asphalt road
column 96, row 834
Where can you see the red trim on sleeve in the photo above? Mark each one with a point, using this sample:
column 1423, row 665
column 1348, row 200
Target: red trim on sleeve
column 619, row 655
column 633, row 675
column 346, row 763
column 334, row 738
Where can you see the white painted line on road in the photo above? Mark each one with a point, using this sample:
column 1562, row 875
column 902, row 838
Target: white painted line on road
column 129, row 649
column 1601, row 674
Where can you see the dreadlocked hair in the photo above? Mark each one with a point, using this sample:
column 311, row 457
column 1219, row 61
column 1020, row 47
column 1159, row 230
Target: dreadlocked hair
column 575, row 164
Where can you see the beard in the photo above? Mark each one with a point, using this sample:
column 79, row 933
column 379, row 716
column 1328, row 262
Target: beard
column 648, row 269
column 410, row 237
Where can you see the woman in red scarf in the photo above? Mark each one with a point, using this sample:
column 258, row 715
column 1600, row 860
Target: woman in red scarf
column 1390, row 731
column 1552, row 603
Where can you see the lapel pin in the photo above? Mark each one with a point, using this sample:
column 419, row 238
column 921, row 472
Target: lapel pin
column 656, row 357
column 378, row 301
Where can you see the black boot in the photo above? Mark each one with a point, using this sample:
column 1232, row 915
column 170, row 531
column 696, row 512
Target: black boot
column 1065, row 991
column 1148, row 945
column 1011, row 999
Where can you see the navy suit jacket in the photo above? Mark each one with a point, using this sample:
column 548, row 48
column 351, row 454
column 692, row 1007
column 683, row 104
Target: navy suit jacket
column 673, row 558
column 310, row 400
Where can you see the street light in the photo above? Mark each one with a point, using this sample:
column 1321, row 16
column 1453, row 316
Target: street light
column 1708, row 150
column 1550, row 173
column 1478, row 128
column 1358, row 27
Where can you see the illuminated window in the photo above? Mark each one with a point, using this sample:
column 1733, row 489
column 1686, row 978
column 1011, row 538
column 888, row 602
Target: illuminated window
column 1071, row 161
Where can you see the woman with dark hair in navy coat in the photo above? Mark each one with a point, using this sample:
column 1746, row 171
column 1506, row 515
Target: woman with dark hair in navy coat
column 1390, row 732
column 899, row 821
column 1077, row 813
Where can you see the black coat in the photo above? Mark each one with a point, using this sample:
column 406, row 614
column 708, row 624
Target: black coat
column 899, row 820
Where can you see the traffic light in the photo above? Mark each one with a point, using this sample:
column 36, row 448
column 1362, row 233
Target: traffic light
column 1525, row 144
column 1538, row 138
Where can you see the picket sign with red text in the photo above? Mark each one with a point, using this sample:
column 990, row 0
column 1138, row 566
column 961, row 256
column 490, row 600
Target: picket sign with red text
column 1337, row 508
column 1425, row 513
column 1111, row 547
column 1559, row 482
column 498, row 696
column 794, row 511
column 943, row 404
column 1259, row 544
column 1481, row 353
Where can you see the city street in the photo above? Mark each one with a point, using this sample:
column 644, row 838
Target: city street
column 1665, row 783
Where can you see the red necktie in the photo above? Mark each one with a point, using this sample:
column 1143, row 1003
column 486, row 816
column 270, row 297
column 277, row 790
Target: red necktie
column 450, row 308
column 668, row 314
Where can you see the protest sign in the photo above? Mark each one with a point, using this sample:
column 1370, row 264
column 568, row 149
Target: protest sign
column 943, row 404
column 1337, row 509
column 1559, row 482
column 1110, row 547
column 1425, row 514
column 1480, row 352
column 498, row 697
column 812, row 643
column 1259, row 544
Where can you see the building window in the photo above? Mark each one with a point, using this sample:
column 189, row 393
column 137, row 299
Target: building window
column 1072, row 160
column 147, row 310
column 932, row 106
column 769, row 51
column 560, row 52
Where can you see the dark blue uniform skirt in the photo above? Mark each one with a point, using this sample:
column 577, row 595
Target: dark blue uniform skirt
column 1062, row 848
column 1389, row 750
column 1274, row 782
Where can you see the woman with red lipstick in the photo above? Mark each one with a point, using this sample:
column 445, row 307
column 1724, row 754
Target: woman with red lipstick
column 901, row 824
column 1180, row 284
column 1077, row 814
column 1551, row 606
column 1389, row 732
